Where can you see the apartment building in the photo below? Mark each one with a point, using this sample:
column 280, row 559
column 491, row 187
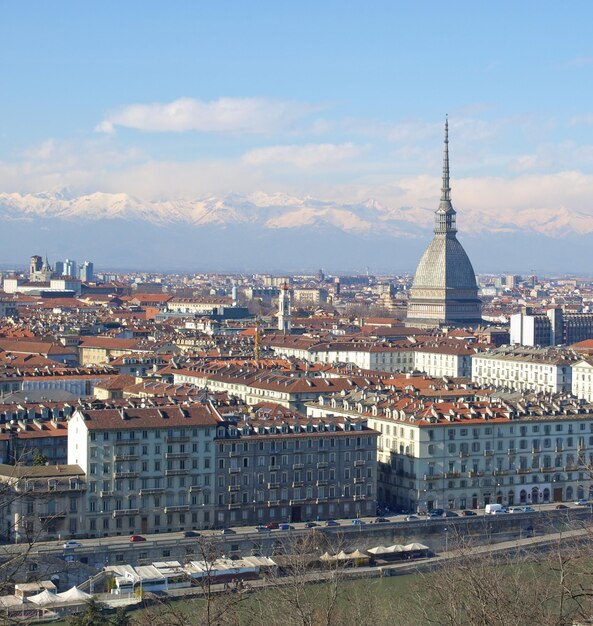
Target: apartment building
column 450, row 359
column 41, row 502
column 148, row 470
column 370, row 355
column 547, row 370
column 294, row 469
column 466, row 454
column 582, row 379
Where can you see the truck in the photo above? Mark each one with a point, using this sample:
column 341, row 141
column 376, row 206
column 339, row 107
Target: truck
column 492, row 509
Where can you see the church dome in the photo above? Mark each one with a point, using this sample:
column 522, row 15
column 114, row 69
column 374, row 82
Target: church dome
column 445, row 265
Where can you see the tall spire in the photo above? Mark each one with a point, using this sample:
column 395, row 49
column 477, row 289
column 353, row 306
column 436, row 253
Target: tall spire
column 444, row 222
column 446, row 189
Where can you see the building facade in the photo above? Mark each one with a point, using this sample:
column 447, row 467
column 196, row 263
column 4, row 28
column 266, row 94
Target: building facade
column 544, row 370
column 148, row 470
column 294, row 469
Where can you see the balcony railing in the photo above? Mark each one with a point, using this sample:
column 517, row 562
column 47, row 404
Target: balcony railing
column 124, row 512
column 180, row 508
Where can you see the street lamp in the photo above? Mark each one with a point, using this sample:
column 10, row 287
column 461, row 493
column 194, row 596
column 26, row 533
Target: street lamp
column 446, row 531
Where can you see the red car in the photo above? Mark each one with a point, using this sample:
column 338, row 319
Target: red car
column 272, row 525
column 135, row 538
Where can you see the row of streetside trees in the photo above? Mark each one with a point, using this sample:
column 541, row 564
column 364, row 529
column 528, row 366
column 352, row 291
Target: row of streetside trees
column 474, row 588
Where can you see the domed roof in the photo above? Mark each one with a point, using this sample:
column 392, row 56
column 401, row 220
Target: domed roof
column 445, row 265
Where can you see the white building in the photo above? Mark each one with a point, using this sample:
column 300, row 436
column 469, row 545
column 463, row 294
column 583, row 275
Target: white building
column 582, row 379
column 147, row 469
column 522, row 368
column 468, row 454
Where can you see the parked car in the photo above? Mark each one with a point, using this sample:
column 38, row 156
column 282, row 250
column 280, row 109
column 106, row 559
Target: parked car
column 358, row 522
column 411, row 518
column 516, row 509
column 285, row 527
column 451, row 514
column 436, row 514
column 559, row 507
column 272, row 525
column 311, row 524
column 502, row 511
column 190, row 533
column 262, row 529
column 72, row 544
column 331, row 522
column 468, row 513
column 228, row 531
column 528, row 509
column 582, row 502
column 381, row 520
column 136, row 538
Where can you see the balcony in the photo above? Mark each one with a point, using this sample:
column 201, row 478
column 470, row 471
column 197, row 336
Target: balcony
column 475, row 474
column 452, row 474
column 273, row 502
column 512, row 451
column 234, row 487
column 463, row 455
column 358, row 481
column 151, row 492
column 432, row 476
column 234, row 453
column 105, row 494
column 49, row 516
column 357, row 498
column 126, row 474
column 176, row 439
column 273, row 485
column 323, row 483
column 524, row 470
column 194, row 488
column 297, row 501
column 322, row 464
column 273, row 468
column 547, row 470
column 359, row 463
column 298, row 466
column 234, row 470
column 175, row 472
column 124, row 512
column 298, row 483
column 235, row 505
column 488, row 452
column 176, row 455
column 126, row 457
column 180, row 508
column 571, row 468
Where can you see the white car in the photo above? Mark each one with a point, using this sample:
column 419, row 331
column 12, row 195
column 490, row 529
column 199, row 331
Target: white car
column 72, row 544
column 582, row 502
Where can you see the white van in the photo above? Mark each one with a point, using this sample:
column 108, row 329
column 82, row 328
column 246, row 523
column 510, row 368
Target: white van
column 492, row 509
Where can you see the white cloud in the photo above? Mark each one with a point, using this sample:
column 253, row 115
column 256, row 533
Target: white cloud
column 306, row 156
column 225, row 115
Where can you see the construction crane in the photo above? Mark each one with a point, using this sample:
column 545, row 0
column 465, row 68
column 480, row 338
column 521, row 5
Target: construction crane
column 257, row 341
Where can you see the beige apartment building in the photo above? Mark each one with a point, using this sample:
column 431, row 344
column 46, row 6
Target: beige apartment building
column 466, row 454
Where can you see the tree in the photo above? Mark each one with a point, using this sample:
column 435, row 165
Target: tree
column 40, row 459
column 91, row 616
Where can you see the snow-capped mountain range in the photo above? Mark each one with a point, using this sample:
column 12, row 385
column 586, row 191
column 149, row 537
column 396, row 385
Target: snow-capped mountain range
column 282, row 211
column 275, row 232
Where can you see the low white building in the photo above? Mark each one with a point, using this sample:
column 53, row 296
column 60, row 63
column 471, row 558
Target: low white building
column 547, row 370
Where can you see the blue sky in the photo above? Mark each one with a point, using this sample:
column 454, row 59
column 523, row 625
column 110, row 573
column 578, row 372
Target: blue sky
column 339, row 100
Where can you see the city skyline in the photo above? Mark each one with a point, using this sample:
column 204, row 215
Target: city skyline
column 309, row 123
